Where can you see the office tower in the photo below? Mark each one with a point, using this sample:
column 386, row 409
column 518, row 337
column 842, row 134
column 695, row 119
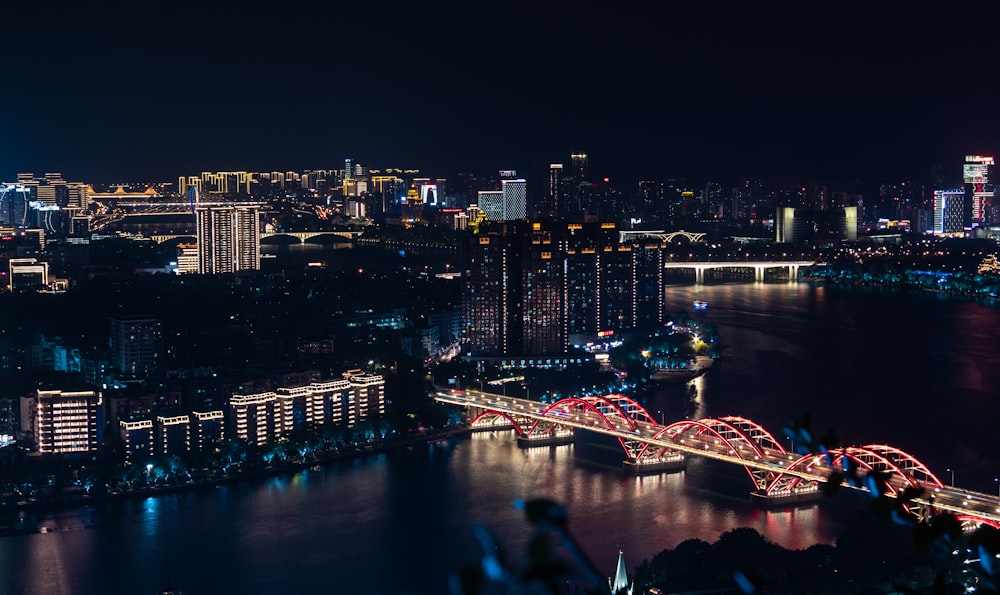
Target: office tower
column 27, row 274
column 578, row 176
column 976, row 175
column 555, row 189
column 63, row 423
column 949, row 212
column 506, row 204
column 515, row 198
column 799, row 225
column 348, row 169
column 228, row 239
column 578, row 168
column 490, row 202
column 136, row 346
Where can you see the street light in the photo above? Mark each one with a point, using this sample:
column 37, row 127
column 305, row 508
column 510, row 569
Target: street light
column 952, row 471
column 661, row 417
column 997, row 479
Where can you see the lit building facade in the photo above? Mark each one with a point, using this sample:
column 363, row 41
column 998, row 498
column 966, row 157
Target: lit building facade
column 63, row 423
column 802, row 225
column 228, row 239
column 187, row 259
column 263, row 417
column 976, row 175
column 207, row 429
column 27, row 274
column 137, row 437
column 949, row 212
column 507, row 204
column 173, row 434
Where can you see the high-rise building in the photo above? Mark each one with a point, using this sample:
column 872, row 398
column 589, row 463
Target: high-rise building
column 228, row 239
column 578, row 175
column 136, row 346
column 508, row 203
column 533, row 287
column 555, row 189
column 949, row 211
column 800, row 225
column 976, row 175
column 63, row 423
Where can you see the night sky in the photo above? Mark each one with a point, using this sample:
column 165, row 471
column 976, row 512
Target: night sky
column 150, row 90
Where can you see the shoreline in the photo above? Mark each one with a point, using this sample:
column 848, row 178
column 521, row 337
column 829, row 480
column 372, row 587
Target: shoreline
column 238, row 477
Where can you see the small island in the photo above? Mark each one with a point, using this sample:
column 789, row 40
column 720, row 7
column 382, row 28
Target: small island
column 679, row 351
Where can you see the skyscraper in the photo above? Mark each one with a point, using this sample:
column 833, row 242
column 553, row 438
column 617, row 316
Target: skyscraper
column 507, row 204
column 976, row 175
column 949, row 211
column 530, row 286
column 228, row 239
column 515, row 199
column 555, row 188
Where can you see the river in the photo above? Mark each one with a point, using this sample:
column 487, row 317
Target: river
column 917, row 371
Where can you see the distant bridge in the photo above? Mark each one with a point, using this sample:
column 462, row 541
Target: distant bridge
column 776, row 474
column 305, row 235
column 302, row 236
column 666, row 236
column 792, row 266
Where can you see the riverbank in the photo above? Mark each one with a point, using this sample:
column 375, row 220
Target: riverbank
column 237, row 476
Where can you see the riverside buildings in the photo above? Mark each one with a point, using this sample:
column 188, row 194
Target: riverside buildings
column 72, row 422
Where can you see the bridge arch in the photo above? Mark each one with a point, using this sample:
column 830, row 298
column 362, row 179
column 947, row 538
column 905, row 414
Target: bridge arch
column 497, row 415
column 596, row 404
column 907, row 464
column 866, row 458
column 735, row 439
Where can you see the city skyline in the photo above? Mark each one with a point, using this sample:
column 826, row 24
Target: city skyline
column 147, row 92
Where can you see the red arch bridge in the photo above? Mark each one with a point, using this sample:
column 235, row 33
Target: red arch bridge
column 778, row 476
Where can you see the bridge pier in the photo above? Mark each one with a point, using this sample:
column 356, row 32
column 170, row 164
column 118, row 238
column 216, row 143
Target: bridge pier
column 699, row 275
column 533, row 441
column 758, row 274
column 803, row 495
column 670, row 464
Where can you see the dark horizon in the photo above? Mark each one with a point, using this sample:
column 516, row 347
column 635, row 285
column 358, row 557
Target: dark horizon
column 150, row 92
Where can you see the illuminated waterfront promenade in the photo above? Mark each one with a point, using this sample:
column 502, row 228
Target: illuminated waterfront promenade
column 777, row 474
